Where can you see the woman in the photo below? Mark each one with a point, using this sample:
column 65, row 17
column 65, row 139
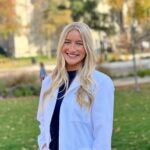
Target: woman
column 76, row 101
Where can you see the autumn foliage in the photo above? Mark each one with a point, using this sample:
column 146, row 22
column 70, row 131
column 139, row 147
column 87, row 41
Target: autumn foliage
column 9, row 22
column 52, row 15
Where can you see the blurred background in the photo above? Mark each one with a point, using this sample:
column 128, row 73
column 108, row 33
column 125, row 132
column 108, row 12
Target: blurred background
column 29, row 33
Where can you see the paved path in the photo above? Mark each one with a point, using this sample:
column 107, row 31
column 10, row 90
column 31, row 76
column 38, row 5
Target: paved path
column 27, row 69
column 127, row 81
column 125, row 67
column 35, row 69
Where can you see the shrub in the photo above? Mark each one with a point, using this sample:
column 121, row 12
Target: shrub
column 143, row 73
column 3, row 91
column 22, row 79
column 25, row 90
column 23, row 85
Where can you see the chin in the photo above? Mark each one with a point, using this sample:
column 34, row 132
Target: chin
column 72, row 62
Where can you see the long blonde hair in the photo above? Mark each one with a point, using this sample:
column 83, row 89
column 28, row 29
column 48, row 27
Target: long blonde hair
column 59, row 75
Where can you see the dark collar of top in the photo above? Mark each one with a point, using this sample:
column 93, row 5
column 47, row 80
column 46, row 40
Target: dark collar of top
column 71, row 75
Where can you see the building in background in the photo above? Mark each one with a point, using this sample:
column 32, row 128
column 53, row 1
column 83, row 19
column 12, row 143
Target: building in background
column 20, row 44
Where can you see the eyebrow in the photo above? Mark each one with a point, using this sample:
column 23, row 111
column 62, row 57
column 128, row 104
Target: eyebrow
column 80, row 41
column 70, row 40
column 67, row 40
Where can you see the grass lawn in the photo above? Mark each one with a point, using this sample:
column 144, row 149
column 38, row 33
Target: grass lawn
column 132, row 119
column 19, row 128
column 18, row 125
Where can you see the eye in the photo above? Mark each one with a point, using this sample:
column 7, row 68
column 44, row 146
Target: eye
column 79, row 43
column 67, row 42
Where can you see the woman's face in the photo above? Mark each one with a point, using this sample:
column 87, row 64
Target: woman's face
column 73, row 50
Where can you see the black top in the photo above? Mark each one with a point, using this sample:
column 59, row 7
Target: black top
column 54, row 125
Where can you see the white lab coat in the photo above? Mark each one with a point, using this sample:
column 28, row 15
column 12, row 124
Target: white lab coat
column 79, row 128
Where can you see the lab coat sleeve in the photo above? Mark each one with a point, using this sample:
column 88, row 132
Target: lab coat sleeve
column 102, row 115
column 40, row 118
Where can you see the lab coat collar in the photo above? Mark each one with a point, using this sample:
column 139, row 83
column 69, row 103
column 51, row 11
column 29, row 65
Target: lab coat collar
column 75, row 83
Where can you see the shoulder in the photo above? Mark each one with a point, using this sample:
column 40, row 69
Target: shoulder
column 102, row 79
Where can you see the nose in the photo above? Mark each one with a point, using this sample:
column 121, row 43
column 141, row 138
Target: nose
column 72, row 47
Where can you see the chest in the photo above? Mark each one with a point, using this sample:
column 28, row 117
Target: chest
column 70, row 110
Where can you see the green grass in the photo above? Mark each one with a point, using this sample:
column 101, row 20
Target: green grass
column 132, row 119
column 18, row 125
column 19, row 128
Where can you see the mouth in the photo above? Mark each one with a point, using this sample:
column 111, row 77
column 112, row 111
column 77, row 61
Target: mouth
column 72, row 55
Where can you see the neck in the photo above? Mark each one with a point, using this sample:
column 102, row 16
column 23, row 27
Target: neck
column 71, row 68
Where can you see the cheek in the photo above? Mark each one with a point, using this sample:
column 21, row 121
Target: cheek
column 83, row 52
column 63, row 49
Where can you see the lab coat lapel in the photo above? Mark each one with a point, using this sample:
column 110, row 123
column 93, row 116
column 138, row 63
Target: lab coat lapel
column 75, row 83
column 51, row 104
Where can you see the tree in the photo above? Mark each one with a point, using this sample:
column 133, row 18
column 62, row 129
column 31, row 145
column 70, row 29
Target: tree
column 9, row 21
column 86, row 11
column 117, row 8
column 140, row 10
column 53, row 15
column 141, row 13
column 137, row 10
column 77, row 9
column 138, row 14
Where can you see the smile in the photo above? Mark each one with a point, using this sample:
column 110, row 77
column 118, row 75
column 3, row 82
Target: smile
column 72, row 54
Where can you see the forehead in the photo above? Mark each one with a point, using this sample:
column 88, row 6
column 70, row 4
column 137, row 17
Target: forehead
column 74, row 33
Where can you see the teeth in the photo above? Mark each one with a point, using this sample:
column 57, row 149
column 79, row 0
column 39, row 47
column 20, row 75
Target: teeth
column 72, row 54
